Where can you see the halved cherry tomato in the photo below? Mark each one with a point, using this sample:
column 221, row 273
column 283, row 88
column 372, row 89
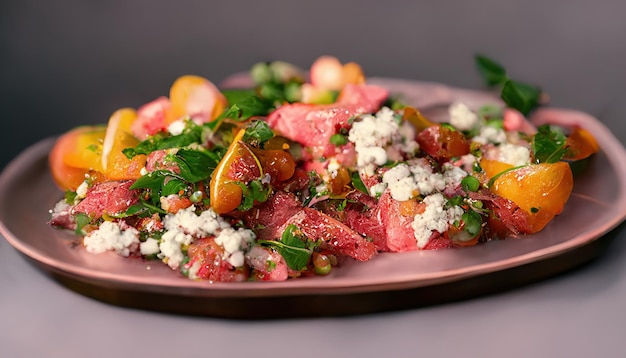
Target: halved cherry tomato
column 581, row 143
column 115, row 164
column 492, row 167
column 196, row 97
column 72, row 156
column 416, row 118
column 443, row 143
column 224, row 191
column 539, row 189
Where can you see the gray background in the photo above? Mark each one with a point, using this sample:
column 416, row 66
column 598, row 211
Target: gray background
column 65, row 63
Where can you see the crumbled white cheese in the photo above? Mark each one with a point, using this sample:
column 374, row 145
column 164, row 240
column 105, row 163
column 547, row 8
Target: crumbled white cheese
column 82, row 189
column 406, row 181
column 149, row 247
column 184, row 226
column 462, row 118
column 377, row 137
column 177, row 127
column 170, row 247
column 490, row 134
column 235, row 242
column 513, row 154
column 377, row 189
column 434, row 218
column 467, row 162
column 110, row 237
column 452, row 175
column 400, row 182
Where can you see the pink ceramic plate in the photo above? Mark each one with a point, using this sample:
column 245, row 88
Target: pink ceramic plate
column 388, row 282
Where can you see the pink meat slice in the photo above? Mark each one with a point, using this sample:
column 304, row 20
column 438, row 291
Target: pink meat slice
column 362, row 214
column 111, row 197
column 312, row 125
column 340, row 238
column 271, row 218
column 399, row 233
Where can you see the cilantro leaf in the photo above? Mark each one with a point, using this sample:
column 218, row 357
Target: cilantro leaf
column 548, row 144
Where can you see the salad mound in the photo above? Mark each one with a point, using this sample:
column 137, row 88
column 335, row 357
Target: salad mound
column 304, row 170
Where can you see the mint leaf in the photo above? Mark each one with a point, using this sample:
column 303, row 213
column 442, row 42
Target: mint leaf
column 520, row 96
column 548, row 144
column 493, row 73
column 294, row 247
column 196, row 165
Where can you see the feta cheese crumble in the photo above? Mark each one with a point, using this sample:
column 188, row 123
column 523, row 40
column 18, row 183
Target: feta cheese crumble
column 184, row 226
column 110, row 237
column 463, row 118
column 513, row 154
column 434, row 218
column 406, row 181
column 378, row 136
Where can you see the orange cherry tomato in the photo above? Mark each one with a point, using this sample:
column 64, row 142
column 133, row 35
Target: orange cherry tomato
column 196, row 97
column 492, row 167
column 71, row 157
column 581, row 143
column 116, row 165
column 539, row 189
column 225, row 193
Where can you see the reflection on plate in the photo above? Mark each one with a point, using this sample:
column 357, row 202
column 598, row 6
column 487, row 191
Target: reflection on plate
column 388, row 282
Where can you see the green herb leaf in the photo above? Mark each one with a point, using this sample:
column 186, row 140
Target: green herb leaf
column 357, row 183
column 196, row 165
column 257, row 133
column 252, row 193
column 70, row 197
column 493, row 73
column 473, row 222
column 81, row 220
column 520, row 96
column 294, row 247
column 548, row 144
column 192, row 134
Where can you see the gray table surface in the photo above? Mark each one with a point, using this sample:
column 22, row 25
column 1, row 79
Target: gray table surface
column 574, row 48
